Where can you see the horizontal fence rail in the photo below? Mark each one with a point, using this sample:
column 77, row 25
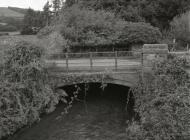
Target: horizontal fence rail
column 101, row 61
column 95, row 61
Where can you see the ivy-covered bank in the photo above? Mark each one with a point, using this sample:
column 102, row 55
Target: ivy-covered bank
column 24, row 90
column 162, row 101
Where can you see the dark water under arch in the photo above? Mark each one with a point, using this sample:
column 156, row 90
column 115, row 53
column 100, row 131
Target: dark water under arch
column 102, row 117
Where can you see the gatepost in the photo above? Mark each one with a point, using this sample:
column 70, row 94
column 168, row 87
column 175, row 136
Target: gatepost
column 153, row 53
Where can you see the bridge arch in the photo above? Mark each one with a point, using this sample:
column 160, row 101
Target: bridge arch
column 121, row 95
column 128, row 79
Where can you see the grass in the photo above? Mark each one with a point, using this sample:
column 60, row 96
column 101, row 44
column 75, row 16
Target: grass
column 6, row 12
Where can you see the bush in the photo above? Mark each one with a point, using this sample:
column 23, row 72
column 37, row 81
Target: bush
column 163, row 103
column 24, row 89
column 84, row 27
column 139, row 33
column 27, row 30
column 181, row 28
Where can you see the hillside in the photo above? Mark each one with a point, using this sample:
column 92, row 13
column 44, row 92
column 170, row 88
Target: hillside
column 7, row 12
column 19, row 10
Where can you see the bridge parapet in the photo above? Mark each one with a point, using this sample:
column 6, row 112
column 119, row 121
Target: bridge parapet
column 122, row 68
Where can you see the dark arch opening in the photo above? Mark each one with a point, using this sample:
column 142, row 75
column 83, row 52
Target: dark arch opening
column 120, row 96
column 104, row 119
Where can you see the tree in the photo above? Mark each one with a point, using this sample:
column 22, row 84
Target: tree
column 160, row 12
column 33, row 21
column 56, row 6
column 139, row 33
column 157, row 12
column 47, row 13
column 180, row 28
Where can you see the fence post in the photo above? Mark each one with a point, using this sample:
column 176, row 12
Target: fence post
column 142, row 70
column 67, row 62
column 91, row 62
column 116, row 57
column 187, row 47
column 142, row 63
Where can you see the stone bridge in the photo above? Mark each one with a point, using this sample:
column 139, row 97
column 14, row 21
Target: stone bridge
column 122, row 68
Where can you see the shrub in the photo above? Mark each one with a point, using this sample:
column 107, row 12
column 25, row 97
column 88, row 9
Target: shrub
column 139, row 33
column 24, row 89
column 181, row 28
column 163, row 103
column 28, row 30
column 84, row 27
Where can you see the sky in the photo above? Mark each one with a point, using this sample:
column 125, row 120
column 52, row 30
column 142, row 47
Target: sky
column 34, row 4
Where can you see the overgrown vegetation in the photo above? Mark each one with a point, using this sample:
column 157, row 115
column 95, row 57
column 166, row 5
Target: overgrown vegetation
column 84, row 29
column 140, row 33
column 180, row 29
column 162, row 102
column 24, row 89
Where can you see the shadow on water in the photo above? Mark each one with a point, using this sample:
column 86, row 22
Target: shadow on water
column 102, row 117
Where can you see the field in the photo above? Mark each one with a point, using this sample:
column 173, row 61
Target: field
column 6, row 12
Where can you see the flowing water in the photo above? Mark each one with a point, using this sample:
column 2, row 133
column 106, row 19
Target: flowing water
column 102, row 117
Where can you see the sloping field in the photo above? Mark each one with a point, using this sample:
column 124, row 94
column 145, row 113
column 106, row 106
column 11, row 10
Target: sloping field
column 6, row 12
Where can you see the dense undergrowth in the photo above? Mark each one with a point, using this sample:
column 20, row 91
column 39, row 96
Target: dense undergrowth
column 24, row 89
column 163, row 103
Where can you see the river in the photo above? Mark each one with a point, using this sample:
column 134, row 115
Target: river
column 102, row 117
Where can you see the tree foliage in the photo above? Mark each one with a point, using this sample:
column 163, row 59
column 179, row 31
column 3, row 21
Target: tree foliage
column 84, row 27
column 33, row 21
column 139, row 33
column 157, row 12
column 47, row 13
column 180, row 28
column 88, row 28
